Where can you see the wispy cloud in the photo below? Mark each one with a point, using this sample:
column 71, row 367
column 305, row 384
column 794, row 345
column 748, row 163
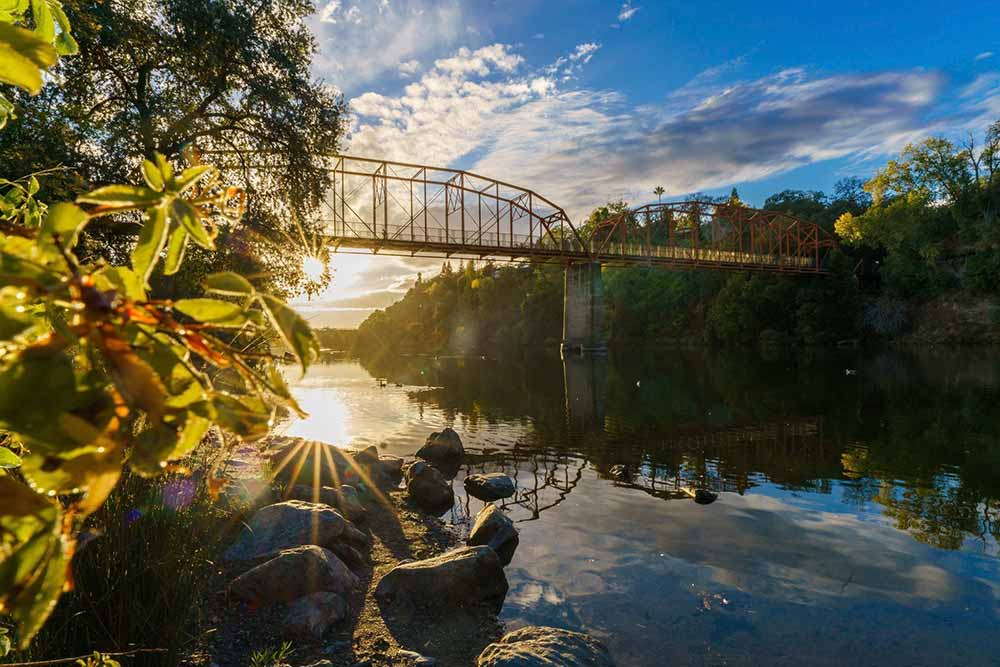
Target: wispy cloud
column 983, row 56
column 627, row 11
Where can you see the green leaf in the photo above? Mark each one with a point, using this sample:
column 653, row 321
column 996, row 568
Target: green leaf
column 122, row 197
column 245, row 416
column 151, row 174
column 6, row 111
column 9, row 459
column 93, row 471
column 65, row 44
column 34, row 560
column 23, row 56
column 212, row 311
column 176, row 246
column 65, row 220
column 190, row 176
column 44, row 25
column 165, row 168
column 125, row 281
column 229, row 284
column 152, row 238
column 183, row 213
column 294, row 330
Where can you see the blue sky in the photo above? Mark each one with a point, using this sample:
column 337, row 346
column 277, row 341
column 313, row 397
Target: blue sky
column 593, row 100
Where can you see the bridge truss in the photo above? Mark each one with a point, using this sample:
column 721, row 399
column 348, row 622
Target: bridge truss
column 400, row 208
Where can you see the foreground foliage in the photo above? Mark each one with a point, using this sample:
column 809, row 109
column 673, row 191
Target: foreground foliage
column 95, row 372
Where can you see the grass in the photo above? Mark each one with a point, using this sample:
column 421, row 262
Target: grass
column 138, row 582
column 272, row 656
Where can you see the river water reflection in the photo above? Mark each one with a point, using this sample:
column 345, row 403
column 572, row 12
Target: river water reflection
column 859, row 506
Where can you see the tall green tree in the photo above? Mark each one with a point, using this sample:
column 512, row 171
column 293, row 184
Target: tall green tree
column 162, row 76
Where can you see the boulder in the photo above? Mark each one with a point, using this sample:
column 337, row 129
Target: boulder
column 494, row 529
column 466, row 577
column 292, row 574
column 428, row 488
column 349, row 555
column 537, row 646
column 445, row 445
column 311, row 615
column 492, row 486
column 286, row 525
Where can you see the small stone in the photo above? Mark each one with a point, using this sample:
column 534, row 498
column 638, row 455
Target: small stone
column 492, row 486
column 414, row 658
column 367, row 456
column 494, row 529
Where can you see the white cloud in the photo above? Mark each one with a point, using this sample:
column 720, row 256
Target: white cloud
column 983, row 56
column 583, row 147
column 626, row 12
column 361, row 41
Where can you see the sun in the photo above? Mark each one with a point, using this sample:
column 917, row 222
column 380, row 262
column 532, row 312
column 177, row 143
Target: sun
column 313, row 268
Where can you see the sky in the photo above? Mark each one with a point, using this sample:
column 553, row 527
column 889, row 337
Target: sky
column 586, row 101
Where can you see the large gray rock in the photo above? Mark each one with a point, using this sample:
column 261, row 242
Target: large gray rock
column 392, row 467
column 292, row 574
column 310, row 616
column 428, row 488
column 345, row 498
column 494, row 529
column 537, row 646
column 286, row 525
column 470, row 576
column 491, row 486
column 445, row 445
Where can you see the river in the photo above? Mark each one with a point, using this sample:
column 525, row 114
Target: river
column 858, row 511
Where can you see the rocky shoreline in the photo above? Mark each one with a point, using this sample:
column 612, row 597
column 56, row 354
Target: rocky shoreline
column 343, row 556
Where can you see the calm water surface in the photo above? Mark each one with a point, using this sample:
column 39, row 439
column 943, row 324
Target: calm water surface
column 859, row 506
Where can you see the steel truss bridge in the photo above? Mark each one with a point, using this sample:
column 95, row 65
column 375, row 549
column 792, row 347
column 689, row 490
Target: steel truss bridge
column 400, row 208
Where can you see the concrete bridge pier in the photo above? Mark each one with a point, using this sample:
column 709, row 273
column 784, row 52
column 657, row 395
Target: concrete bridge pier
column 583, row 309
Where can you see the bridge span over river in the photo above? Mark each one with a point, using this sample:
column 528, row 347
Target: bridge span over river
column 398, row 208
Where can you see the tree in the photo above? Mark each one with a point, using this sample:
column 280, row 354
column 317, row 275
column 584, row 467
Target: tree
column 658, row 191
column 227, row 76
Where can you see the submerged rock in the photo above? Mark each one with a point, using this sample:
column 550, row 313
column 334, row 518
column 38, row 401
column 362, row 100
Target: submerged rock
column 428, row 488
column 705, row 497
column 445, row 445
column 470, row 576
column 495, row 529
column 537, row 646
column 310, row 616
column 285, row 525
column 292, row 574
column 621, row 473
column 492, row 486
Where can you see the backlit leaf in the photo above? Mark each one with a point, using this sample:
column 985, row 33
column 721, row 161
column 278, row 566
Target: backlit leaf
column 9, row 459
column 228, row 283
column 114, row 198
column 212, row 311
column 65, row 221
column 65, row 44
column 184, row 214
column 152, row 239
column 245, row 416
column 44, row 26
column 295, row 331
column 176, row 246
column 190, row 176
column 152, row 175
column 23, row 56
